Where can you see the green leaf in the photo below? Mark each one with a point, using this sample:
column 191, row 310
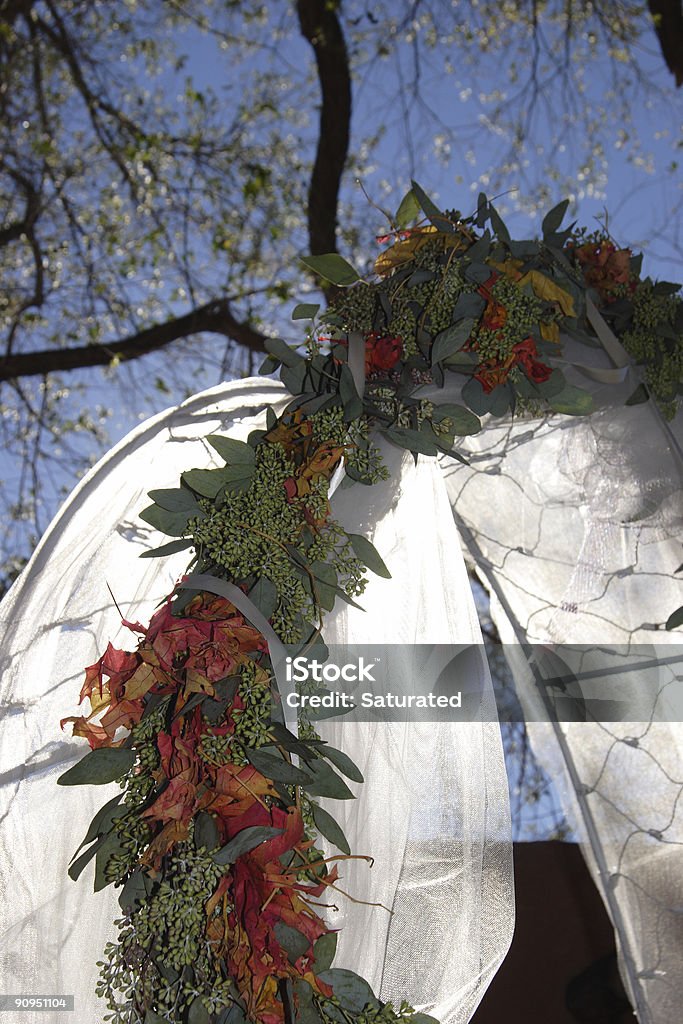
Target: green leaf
column 451, row 340
column 305, row 310
column 306, row 1010
column 151, row 1017
column 413, row 440
column 329, row 828
column 323, row 951
column 353, row 992
column 640, row 395
column 477, row 271
column 422, row 1018
column 276, row 768
column 282, row 352
column 292, row 941
column 167, row 549
column 264, row 596
column 205, row 831
column 408, row 210
column 325, row 584
column 480, row 249
column 173, row 524
column 431, row 210
column 469, row 304
column 100, row 766
column 498, row 225
column 103, row 821
column 464, row 421
column 675, row 619
column 208, row 482
column 572, row 401
column 326, row 782
column 134, row 890
column 78, row 865
column 331, row 267
column 176, row 499
column 478, row 400
column 246, row 840
column 232, row 451
column 342, row 761
column 111, row 846
column 367, row 553
column 353, row 406
column 232, row 1015
column 198, row 1014
column 554, row 218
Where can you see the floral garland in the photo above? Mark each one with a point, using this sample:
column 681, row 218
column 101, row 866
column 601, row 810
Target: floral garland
column 646, row 316
column 214, row 837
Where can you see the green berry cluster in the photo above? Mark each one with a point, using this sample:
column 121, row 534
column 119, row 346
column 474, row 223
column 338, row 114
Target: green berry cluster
column 523, row 313
column 654, row 340
column 162, row 958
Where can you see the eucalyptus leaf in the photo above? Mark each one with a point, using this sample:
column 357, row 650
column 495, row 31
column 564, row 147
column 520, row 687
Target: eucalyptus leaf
column 176, row 499
column 275, row 767
column 330, row 829
column 282, row 352
column 572, row 401
column 173, row 524
column 413, row 440
column 431, row 210
column 305, row 310
column 477, row 271
column 408, row 210
column 353, row 406
column 324, row 950
column 103, row 821
column 152, row 1017
column 368, row 554
column 292, row 941
column 332, row 267
column 98, row 767
column 341, row 760
column 246, row 840
column 675, row 619
column 198, row 1014
column 498, row 224
column 208, row 482
column 205, row 831
column 80, row 863
column 464, row 421
column 172, row 548
column 469, row 304
column 232, row 451
column 111, row 846
column 264, row 595
column 451, row 340
column 353, row 992
column 326, row 782
column 134, row 890
column 553, row 219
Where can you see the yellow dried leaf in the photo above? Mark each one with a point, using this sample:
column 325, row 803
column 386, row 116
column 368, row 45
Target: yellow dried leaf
column 547, row 290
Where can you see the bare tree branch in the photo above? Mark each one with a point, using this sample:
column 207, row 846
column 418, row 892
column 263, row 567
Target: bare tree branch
column 668, row 19
column 213, row 318
column 320, row 25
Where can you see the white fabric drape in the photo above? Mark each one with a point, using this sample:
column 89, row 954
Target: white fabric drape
column 433, row 812
column 575, row 525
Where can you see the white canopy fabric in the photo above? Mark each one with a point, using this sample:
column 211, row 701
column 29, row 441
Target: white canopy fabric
column 433, row 812
column 575, row 526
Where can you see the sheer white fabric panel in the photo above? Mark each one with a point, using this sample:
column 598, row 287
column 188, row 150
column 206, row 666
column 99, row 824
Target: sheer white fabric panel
column 576, row 528
column 434, row 813
column 435, row 800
